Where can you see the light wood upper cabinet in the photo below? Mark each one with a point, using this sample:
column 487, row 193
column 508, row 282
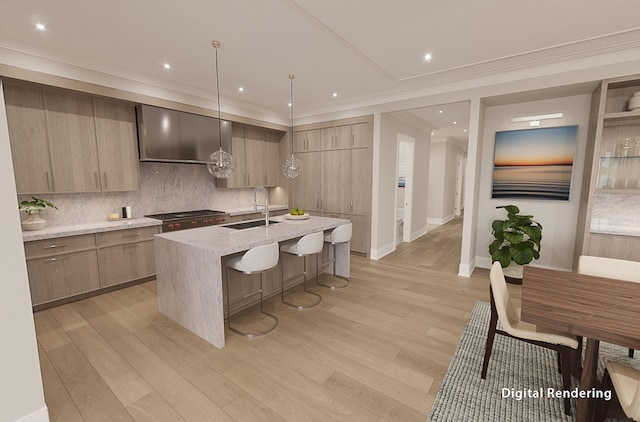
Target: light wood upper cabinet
column 361, row 180
column 81, row 144
column 306, row 193
column 117, row 146
column 362, row 135
column 254, row 157
column 256, row 152
column 338, row 137
column 72, row 142
column 307, row 140
column 29, row 140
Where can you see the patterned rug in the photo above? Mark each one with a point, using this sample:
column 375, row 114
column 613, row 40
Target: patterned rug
column 517, row 373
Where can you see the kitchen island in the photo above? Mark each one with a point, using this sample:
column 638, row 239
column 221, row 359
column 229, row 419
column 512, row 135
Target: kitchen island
column 190, row 274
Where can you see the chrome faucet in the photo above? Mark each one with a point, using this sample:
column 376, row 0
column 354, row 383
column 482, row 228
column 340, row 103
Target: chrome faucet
column 265, row 209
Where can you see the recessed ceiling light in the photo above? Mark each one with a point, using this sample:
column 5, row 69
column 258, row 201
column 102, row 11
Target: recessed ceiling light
column 241, row 89
column 440, row 111
column 166, row 66
column 455, row 123
column 432, row 133
column 465, row 131
column 41, row 26
column 427, row 57
column 335, row 94
column 290, row 104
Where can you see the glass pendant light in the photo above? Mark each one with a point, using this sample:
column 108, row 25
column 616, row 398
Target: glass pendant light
column 291, row 167
column 220, row 164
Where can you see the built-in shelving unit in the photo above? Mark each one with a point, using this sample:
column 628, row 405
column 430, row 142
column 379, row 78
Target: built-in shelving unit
column 611, row 193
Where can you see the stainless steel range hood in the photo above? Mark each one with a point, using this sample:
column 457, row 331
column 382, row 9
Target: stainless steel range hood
column 178, row 137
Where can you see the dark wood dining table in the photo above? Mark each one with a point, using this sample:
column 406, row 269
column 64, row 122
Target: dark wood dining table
column 596, row 308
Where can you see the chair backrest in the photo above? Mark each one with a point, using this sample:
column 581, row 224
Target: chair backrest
column 341, row 233
column 261, row 258
column 507, row 314
column 609, row 267
column 635, row 402
column 310, row 243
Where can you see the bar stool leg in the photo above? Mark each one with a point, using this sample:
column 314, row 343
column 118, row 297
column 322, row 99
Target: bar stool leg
column 244, row 333
column 340, row 286
column 304, row 287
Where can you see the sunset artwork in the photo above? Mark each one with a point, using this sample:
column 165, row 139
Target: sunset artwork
column 534, row 163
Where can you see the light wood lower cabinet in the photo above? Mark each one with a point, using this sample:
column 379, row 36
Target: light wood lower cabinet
column 68, row 266
column 122, row 263
column 61, row 276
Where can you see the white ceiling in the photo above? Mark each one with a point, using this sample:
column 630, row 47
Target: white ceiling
column 363, row 50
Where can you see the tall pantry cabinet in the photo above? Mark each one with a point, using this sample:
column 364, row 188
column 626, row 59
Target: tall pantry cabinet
column 336, row 160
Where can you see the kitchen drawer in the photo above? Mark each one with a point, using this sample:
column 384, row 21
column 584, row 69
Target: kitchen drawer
column 59, row 245
column 61, row 276
column 120, row 237
column 122, row 263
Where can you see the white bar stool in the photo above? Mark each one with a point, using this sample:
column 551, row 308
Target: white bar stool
column 310, row 244
column 255, row 260
column 340, row 234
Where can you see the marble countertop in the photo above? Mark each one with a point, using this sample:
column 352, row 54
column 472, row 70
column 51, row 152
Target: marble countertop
column 87, row 228
column 617, row 227
column 250, row 210
column 225, row 241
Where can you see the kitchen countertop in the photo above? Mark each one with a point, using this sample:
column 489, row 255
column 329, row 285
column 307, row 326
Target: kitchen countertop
column 250, row 210
column 88, row 228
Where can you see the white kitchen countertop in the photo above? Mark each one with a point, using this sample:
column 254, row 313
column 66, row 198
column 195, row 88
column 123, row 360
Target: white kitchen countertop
column 250, row 210
column 88, row 228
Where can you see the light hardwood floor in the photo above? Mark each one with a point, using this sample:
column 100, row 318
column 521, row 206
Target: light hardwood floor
column 375, row 351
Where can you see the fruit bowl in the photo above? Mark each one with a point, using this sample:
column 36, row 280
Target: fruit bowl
column 304, row 216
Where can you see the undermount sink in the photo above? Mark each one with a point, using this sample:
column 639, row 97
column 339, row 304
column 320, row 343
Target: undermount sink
column 249, row 224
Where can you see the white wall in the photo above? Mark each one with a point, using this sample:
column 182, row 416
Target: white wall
column 384, row 167
column 21, row 394
column 558, row 218
column 443, row 163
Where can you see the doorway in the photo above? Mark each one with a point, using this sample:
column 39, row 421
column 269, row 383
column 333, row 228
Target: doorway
column 404, row 189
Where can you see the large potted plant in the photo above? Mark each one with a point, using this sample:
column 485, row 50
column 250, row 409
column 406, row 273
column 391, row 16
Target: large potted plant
column 517, row 242
column 33, row 208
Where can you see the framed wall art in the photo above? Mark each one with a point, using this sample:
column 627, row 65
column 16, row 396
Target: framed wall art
column 534, row 163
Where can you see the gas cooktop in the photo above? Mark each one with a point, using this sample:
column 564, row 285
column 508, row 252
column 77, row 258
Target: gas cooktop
column 185, row 214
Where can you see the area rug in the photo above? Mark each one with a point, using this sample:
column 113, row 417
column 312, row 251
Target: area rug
column 518, row 379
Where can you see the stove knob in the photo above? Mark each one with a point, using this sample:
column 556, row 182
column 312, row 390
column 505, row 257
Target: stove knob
column 194, row 223
column 177, row 226
column 211, row 220
column 170, row 226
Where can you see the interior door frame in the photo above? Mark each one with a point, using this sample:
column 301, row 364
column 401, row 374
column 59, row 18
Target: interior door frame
column 409, row 143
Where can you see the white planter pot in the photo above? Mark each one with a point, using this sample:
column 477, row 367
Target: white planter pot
column 33, row 222
column 514, row 272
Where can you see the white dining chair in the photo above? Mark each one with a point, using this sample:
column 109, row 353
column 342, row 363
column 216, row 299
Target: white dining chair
column 503, row 310
column 626, row 383
column 620, row 269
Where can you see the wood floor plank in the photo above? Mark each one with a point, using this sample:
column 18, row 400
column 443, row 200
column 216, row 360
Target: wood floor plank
column 245, row 408
column 61, row 406
column 153, row 408
column 49, row 332
column 121, row 378
column 93, row 398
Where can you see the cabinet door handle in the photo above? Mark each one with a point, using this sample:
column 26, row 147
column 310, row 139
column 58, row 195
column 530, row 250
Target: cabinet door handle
column 61, row 245
column 97, row 180
column 135, row 245
column 60, row 258
column 136, row 234
column 48, row 181
column 106, row 186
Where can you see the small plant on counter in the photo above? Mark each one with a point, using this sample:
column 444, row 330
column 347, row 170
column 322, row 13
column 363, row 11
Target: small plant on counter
column 35, row 206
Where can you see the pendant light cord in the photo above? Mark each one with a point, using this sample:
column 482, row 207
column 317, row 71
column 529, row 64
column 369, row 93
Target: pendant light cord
column 291, row 76
column 218, row 92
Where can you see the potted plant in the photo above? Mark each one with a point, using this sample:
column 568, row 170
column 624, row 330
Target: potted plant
column 33, row 208
column 517, row 242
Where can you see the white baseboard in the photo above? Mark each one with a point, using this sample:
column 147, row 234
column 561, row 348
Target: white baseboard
column 41, row 415
column 419, row 233
column 381, row 252
column 465, row 270
column 440, row 221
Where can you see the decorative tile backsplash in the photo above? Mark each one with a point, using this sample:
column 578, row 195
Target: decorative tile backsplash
column 165, row 187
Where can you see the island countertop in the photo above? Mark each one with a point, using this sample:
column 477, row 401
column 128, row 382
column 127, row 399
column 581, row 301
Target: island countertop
column 222, row 240
column 189, row 268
